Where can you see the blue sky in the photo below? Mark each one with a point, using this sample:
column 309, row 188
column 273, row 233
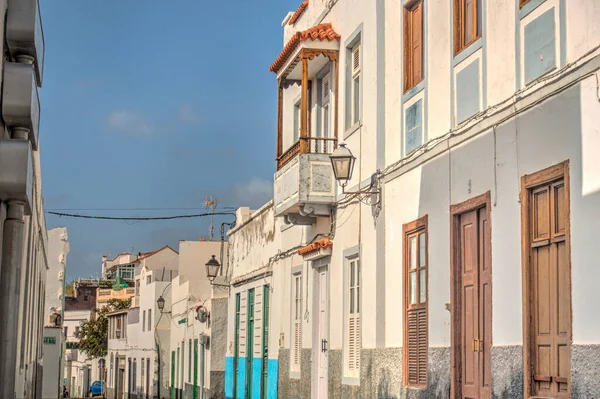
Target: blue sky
column 155, row 104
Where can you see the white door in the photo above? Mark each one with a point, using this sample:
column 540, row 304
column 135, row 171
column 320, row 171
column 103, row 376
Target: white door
column 322, row 333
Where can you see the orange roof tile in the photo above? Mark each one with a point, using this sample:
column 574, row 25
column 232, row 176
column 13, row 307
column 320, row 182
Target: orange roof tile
column 298, row 12
column 320, row 32
column 325, row 243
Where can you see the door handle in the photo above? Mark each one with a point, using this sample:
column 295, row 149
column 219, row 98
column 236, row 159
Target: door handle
column 480, row 344
column 474, row 345
column 323, row 345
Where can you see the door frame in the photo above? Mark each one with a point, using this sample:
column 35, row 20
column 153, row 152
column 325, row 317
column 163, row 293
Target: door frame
column 456, row 210
column 317, row 267
column 529, row 182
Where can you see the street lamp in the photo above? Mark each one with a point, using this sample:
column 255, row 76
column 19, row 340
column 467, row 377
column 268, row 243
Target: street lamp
column 342, row 162
column 212, row 270
column 160, row 303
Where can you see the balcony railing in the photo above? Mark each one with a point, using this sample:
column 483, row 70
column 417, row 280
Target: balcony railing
column 307, row 145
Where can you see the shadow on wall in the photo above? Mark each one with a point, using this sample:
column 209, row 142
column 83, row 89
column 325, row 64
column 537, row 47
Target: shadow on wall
column 384, row 386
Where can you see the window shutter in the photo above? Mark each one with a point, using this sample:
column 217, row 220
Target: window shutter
column 417, row 347
column 356, row 60
column 354, row 342
column 297, row 341
column 417, row 43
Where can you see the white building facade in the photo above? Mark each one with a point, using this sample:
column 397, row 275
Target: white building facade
column 54, row 339
column 460, row 260
column 139, row 337
column 198, row 324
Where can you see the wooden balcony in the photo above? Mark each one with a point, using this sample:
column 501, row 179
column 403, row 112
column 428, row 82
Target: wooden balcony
column 307, row 145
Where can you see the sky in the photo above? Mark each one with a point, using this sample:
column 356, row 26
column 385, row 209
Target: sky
column 155, row 104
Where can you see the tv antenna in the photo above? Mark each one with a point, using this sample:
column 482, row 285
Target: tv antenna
column 211, row 204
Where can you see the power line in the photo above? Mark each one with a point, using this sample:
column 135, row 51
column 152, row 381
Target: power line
column 74, row 215
column 131, row 209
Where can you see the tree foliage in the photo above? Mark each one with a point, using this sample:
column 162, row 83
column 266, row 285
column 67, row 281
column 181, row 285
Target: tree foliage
column 93, row 333
column 69, row 289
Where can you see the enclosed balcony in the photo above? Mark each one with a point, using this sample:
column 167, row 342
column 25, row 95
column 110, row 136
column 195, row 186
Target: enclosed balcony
column 24, row 34
column 307, row 76
column 20, row 102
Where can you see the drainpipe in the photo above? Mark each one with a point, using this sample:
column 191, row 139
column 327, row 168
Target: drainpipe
column 202, row 353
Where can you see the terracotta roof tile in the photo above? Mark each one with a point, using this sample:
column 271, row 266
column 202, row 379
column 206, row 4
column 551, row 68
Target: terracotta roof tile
column 325, row 243
column 298, row 12
column 320, row 32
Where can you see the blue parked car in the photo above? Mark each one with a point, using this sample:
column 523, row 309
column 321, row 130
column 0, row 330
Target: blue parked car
column 97, row 388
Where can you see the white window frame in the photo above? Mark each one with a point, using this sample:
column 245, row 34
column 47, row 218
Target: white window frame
column 353, row 83
column 296, row 324
column 351, row 374
column 297, row 127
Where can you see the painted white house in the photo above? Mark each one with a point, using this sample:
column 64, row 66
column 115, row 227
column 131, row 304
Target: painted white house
column 138, row 344
column 54, row 340
column 198, row 324
column 459, row 261
column 79, row 370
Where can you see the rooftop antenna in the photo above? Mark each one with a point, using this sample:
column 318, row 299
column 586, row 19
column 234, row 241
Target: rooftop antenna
column 211, row 204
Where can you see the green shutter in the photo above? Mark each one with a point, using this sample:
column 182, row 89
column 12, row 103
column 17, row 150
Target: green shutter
column 236, row 344
column 190, row 361
column 249, row 343
column 265, row 343
column 172, row 374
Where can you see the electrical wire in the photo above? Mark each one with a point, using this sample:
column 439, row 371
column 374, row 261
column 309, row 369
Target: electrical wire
column 145, row 218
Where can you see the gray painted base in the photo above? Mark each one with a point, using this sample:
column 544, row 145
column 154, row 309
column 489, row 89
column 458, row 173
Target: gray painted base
column 507, row 372
column 585, row 371
column 217, row 385
column 381, row 374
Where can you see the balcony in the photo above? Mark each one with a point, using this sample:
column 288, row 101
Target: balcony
column 24, row 34
column 304, row 182
column 307, row 68
column 16, row 172
column 20, row 102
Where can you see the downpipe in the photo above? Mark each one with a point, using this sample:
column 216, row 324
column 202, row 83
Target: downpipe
column 12, row 257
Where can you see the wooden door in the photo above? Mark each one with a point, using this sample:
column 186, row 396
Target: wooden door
column 472, row 282
column 549, row 295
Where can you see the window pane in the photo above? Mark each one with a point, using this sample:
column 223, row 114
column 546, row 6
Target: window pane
column 351, row 300
column 357, row 273
column 422, row 286
column 413, row 288
column 357, row 300
column 352, row 274
column 468, row 21
column 356, row 107
column 413, row 252
column 326, row 122
column 422, row 256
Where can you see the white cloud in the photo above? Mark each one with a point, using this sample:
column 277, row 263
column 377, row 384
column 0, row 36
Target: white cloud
column 131, row 123
column 253, row 193
column 187, row 114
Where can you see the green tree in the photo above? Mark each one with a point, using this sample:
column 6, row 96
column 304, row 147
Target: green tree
column 69, row 291
column 93, row 333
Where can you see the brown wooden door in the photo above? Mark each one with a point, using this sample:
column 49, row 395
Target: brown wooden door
column 476, row 304
column 550, row 291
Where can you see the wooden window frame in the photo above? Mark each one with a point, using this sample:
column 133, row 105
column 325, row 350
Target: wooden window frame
column 407, row 10
column 528, row 183
column 460, row 28
column 480, row 201
column 414, row 228
column 523, row 2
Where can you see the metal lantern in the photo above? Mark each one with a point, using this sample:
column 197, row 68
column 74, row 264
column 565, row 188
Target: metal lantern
column 161, row 303
column 342, row 162
column 212, row 268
